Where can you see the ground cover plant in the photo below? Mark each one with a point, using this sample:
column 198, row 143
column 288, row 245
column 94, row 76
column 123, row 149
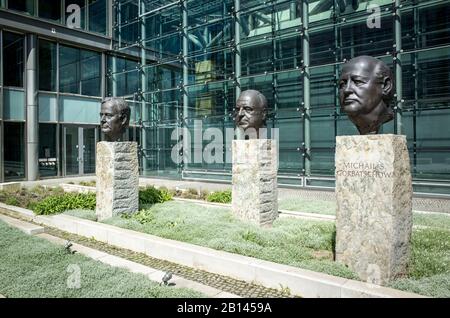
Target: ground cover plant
column 28, row 198
column 296, row 242
column 33, row 267
column 219, row 196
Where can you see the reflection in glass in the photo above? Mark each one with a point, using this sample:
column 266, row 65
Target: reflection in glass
column 48, row 164
column 47, row 66
column 71, row 150
column 22, row 5
column 79, row 71
column 89, row 150
column 13, row 59
column 97, row 16
column 50, row 9
column 14, row 156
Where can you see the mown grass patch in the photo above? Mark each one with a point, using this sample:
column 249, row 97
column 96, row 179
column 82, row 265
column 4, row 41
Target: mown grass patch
column 290, row 241
column 296, row 242
column 309, row 206
column 33, row 267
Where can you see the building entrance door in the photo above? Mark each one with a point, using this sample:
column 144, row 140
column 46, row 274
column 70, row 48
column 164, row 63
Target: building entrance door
column 79, row 149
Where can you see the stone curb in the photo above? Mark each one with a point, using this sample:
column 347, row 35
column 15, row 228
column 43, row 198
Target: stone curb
column 299, row 281
column 28, row 228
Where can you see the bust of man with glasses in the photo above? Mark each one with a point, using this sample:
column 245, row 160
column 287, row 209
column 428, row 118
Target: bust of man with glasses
column 366, row 88
column 114, row 118
column 251, row 112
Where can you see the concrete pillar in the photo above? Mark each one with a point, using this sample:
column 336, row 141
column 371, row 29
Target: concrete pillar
column 32, row 108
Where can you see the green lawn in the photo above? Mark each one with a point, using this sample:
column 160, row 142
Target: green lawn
column 296, row 242
column 310, row 206
column 329, row 208
column 33, row 267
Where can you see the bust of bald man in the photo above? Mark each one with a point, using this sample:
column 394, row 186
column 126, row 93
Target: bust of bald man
column 251, row 111
column 366, row 89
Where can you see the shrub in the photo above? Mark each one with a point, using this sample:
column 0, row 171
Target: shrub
column 12, row 201
column 144, row 216
column 27, row 198
column 88, row 183
column 67, row 201
column 151, row 195
column 219, row 196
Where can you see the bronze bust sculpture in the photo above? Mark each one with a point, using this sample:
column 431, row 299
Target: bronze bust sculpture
column 251, row 111
column 114, row 118
column 366, row 88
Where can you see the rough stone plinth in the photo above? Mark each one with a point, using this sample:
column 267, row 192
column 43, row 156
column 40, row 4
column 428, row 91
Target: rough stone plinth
column 254, row 191
column 374, row 205
column 117, row 179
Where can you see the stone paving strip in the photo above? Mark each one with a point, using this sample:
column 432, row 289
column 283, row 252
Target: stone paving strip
column 227, row 285
column 213, row 285
column 152, row 273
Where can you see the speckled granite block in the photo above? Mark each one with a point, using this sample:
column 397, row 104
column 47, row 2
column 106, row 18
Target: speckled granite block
column 374, row 205
column 254, row 190
column 117, row 179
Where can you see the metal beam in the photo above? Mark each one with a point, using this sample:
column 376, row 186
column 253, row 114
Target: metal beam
column 1, row 109
column 398, row 69
column 51, row 30
column 186, row 144
column 237, row 56
column 237, row 41
column 306, row 88
column 32, row 108
column 144, row 80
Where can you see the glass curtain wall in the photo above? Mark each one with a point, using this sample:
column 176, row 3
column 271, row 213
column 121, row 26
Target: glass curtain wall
column 88, row 15
column 196, row 56
column 13, row 106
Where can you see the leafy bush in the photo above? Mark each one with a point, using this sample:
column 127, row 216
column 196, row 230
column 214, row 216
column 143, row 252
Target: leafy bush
column 28, row 198
column 219, row 196
column 88, row 183
column 144, row 216
column 12, row 201
column 151, row 195
column 67, row 201
column 166, row 195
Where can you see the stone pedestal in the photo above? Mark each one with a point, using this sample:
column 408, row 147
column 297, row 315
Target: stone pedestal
column 117, row 179
column 374, row 205
column 254, row 192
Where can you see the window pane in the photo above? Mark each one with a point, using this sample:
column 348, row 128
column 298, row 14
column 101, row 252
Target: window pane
column 97, row 16
column 50, row 9
column 47, row 150
column 68, row 70
column 90, row 73
column 15, row 156
column 79, row 71
column 13, row 59
column 47, row 66
column 22, row 5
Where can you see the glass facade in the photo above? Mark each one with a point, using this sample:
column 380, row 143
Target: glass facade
column 182, row 64
column 197, row 56
column 88, row 15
